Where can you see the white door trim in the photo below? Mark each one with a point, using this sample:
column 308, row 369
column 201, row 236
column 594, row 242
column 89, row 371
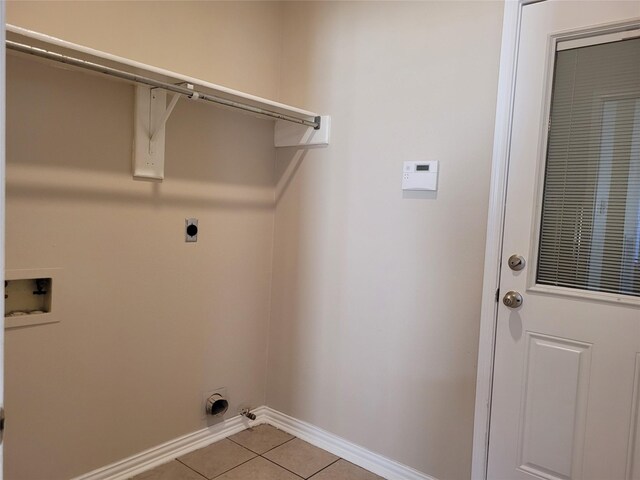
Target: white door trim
column 3, row 104
column 495, row 223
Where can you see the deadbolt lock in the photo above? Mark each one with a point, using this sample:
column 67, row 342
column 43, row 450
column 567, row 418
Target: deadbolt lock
column 516, row 262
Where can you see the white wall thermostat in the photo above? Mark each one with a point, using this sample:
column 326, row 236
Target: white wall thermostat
column 420, row 175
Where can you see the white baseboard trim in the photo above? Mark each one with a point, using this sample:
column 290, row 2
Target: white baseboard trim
column 129, row 467
column 385, row 467
column 177, row 447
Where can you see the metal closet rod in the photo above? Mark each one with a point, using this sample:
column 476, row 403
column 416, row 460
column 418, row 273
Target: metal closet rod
column 189, row 93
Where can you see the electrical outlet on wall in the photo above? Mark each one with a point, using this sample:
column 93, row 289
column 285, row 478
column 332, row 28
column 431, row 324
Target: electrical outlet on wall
column 191, row 230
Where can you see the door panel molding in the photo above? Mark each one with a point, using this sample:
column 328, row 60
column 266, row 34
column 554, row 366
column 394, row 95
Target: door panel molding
column 633, row 454
column 553, row 407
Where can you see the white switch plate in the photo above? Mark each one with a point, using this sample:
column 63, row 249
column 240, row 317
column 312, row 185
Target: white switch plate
column 420, row 175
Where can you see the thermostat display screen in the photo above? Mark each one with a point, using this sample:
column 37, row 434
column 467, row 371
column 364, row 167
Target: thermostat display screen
column 420, row 168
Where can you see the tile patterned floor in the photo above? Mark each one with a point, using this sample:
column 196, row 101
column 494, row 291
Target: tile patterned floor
column 259, row 453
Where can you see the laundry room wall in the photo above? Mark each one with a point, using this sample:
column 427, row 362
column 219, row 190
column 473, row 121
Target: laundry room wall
column 235, row 44
column 376, row 292
column 147, row 322
column 369, row 297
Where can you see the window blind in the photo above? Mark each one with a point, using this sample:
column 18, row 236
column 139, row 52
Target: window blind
column 590, row 222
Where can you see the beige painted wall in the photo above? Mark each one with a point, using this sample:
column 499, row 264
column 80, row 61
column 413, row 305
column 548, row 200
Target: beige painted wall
column 376, row 294
column 369, row 336
column 235, row 44
column 148, row 322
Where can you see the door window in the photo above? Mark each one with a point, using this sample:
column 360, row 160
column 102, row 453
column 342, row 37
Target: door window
column 590, row 220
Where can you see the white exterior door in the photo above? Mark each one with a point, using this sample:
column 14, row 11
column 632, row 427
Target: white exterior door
column 566, row 389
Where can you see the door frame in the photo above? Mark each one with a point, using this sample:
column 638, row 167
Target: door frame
column 495, row 227
column 3, row 104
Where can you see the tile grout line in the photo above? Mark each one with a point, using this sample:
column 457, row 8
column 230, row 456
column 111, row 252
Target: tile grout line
column 239, row 465
column 192, row 469
column 272, row 448
column 324, row 468
column 284, row 468
column 262, row 455
column 226, row 471
column 277, row 446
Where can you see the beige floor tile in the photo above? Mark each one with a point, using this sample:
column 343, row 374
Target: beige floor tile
column 217, row 458
column 343, row 470
column 300, row 457
column 261, row 439
column 258, row 469
column 170, row 471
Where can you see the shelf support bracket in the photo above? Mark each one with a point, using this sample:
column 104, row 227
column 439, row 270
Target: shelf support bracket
column 151, row 115
column 165, row 117
column 287, row 134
